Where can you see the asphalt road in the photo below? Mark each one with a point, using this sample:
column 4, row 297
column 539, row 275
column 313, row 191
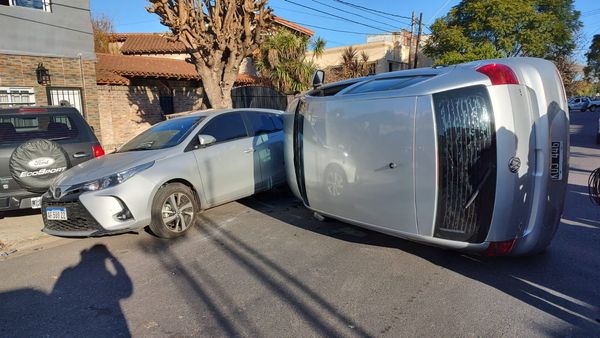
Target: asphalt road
column 265, row 267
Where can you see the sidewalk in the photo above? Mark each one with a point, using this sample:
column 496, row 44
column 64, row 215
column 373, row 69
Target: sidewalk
column 22, row 231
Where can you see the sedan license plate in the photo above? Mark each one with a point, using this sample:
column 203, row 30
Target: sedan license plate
column 36, row 202
column 556, row 161
column 56, row 214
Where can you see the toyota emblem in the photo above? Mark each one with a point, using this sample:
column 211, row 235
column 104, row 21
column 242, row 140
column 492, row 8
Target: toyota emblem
column 514, row 164
column 56, row 193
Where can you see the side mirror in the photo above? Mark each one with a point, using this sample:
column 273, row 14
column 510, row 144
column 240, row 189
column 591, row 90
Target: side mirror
column 318, row 78
column 206, row 140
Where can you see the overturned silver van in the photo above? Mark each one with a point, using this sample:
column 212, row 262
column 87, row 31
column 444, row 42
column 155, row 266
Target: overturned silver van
column 472, row 157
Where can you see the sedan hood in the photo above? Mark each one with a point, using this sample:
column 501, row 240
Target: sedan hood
column 107, row 165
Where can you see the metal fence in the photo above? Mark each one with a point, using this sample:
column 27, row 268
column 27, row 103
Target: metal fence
column 258, row 97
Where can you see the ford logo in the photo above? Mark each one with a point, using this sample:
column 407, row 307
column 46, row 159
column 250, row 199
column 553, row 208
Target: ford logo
column 41, row 162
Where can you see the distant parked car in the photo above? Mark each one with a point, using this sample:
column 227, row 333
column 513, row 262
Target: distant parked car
column 166, row 175
column 584, row 103
column 37, row 144
column 472, row 157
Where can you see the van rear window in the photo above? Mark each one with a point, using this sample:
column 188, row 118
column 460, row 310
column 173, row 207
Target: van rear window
column 391, row 83
column 21, row 128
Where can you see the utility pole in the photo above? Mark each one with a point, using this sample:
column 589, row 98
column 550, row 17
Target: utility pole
column 412, row 33
column 418, row 38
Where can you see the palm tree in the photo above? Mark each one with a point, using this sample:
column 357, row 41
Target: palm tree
column 318, row 47
column 282, row 59
column 353, row 66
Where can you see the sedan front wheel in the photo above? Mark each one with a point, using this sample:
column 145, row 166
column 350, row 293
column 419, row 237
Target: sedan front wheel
column 174, row 210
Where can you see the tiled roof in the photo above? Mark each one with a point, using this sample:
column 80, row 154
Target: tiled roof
column 104, row 76
column 294, row 26
column 116, row 70
column 146, row 66
column 159, row 43
column 150, row 43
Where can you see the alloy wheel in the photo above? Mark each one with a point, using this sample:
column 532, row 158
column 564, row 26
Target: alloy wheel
column 178, row 212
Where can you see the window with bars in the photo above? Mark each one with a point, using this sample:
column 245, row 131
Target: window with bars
column 16, row 97
column 67, row 97
column 43, row 5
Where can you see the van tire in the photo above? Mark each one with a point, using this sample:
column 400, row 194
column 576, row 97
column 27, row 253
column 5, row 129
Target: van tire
column 171, row 208
column 592, row 108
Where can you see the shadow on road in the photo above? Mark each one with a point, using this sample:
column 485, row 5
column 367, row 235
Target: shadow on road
column 84, row 301
column 560, row 282
column 233, row 321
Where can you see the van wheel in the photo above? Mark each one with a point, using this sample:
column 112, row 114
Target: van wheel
column 174, row 210
column 335, row 180
column 592, row 109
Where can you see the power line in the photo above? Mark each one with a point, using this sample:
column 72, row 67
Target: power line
column 360, row 16
column 279, row 8
column 337, row 16
column 444, row 4
column 336, row 30
column 371, row 10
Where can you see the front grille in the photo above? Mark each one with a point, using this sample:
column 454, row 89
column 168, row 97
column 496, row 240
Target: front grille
column 78, row 218
column 467, row 163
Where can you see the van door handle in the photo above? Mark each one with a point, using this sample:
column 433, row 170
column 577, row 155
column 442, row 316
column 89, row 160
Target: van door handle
column 81, row 154
column 249, row 150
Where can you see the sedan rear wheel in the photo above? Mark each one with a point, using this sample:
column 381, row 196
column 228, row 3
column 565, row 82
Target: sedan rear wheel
column 174, row 211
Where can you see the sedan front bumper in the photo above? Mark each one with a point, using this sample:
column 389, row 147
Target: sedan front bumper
column 119, row 209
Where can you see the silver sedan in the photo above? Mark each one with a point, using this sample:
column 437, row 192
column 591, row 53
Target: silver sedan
column 166, row 175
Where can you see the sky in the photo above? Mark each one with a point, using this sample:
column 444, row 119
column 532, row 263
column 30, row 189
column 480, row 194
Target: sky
column 328, row 17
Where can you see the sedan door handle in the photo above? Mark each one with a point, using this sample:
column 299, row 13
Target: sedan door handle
column 249, row 150
column 81, row 154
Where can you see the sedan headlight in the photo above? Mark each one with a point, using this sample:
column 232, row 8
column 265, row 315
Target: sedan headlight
column 115, row 179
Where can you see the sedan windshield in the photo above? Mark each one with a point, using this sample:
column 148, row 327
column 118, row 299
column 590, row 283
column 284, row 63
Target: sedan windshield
column 163, row 135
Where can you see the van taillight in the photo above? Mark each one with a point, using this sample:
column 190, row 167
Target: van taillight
column 499, row 74
column 499, row 248
column 97, row 150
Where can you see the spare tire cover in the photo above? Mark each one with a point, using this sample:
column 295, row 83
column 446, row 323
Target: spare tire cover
column 36, row 163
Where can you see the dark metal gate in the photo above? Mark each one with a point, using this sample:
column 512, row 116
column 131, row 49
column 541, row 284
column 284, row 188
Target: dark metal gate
column 258, row 97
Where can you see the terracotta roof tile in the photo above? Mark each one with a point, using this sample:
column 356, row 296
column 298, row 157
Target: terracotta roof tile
column 294, row 26
column 157, row 43
column 150, row 43
column 115, row 69
column 106, row 77
column 147, row 66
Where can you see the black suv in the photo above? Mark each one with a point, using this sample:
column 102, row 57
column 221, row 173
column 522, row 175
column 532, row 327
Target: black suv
column 37, row 144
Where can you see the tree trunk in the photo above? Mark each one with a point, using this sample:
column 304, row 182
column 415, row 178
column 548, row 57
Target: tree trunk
column 217, row 91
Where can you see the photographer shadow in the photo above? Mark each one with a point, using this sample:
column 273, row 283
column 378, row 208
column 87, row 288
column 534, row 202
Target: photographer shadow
column 84, row 301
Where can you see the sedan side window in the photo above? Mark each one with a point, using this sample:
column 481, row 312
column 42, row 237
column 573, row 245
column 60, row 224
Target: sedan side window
column 226, row 127
column 261, row 123
column 278, row 121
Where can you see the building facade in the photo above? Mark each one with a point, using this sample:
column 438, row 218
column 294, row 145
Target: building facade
column 47, row 56
column 386, row 53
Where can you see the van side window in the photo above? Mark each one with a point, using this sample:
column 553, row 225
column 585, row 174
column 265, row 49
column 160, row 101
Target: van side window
column 226, row 127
